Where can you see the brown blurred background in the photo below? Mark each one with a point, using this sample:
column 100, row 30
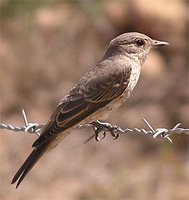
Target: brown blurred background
column 46, row 46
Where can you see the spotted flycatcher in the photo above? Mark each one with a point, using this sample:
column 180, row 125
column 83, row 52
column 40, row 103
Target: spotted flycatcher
column 100, row 91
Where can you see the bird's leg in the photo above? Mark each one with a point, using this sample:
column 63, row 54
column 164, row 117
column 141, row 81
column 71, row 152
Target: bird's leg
column 100, row 126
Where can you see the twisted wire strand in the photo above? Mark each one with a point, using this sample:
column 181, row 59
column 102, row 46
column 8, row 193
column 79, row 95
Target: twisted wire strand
column 159, row 132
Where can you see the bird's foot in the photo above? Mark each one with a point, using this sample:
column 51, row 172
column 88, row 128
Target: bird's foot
column 105, row 127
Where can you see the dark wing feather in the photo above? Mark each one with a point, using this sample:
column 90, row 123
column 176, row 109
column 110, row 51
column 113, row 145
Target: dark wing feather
column 83, row 101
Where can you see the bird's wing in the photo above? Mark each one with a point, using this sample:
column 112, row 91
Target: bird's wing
column 76, row 106
column 84, row 100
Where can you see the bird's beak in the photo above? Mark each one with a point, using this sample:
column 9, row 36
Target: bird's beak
column 159, row 43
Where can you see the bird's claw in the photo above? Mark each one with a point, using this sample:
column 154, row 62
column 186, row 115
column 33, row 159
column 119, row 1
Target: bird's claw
column 112, row 129
column 99, row 127
column 97, row 131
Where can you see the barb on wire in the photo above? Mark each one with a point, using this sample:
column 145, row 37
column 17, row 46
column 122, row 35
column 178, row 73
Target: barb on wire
column 98, row 127
column 29, row 127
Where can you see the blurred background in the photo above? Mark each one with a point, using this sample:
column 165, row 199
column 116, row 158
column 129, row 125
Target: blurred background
column 46, row 46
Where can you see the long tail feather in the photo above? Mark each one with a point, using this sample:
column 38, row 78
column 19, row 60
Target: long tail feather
column 29, row 163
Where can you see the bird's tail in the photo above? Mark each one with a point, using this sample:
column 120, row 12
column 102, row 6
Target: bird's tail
column 29, row 163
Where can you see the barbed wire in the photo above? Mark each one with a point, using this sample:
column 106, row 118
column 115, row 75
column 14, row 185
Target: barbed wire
column 98, row 127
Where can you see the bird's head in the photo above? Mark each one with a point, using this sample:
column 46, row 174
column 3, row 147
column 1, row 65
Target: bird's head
column 133, row 45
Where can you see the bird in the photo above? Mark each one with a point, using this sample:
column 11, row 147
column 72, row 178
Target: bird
column 100, row 91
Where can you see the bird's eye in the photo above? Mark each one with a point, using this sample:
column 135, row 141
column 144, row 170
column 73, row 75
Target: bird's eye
column 139, row 42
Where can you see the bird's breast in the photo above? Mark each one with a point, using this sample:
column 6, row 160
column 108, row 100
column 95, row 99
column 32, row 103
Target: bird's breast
column 103, row 113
